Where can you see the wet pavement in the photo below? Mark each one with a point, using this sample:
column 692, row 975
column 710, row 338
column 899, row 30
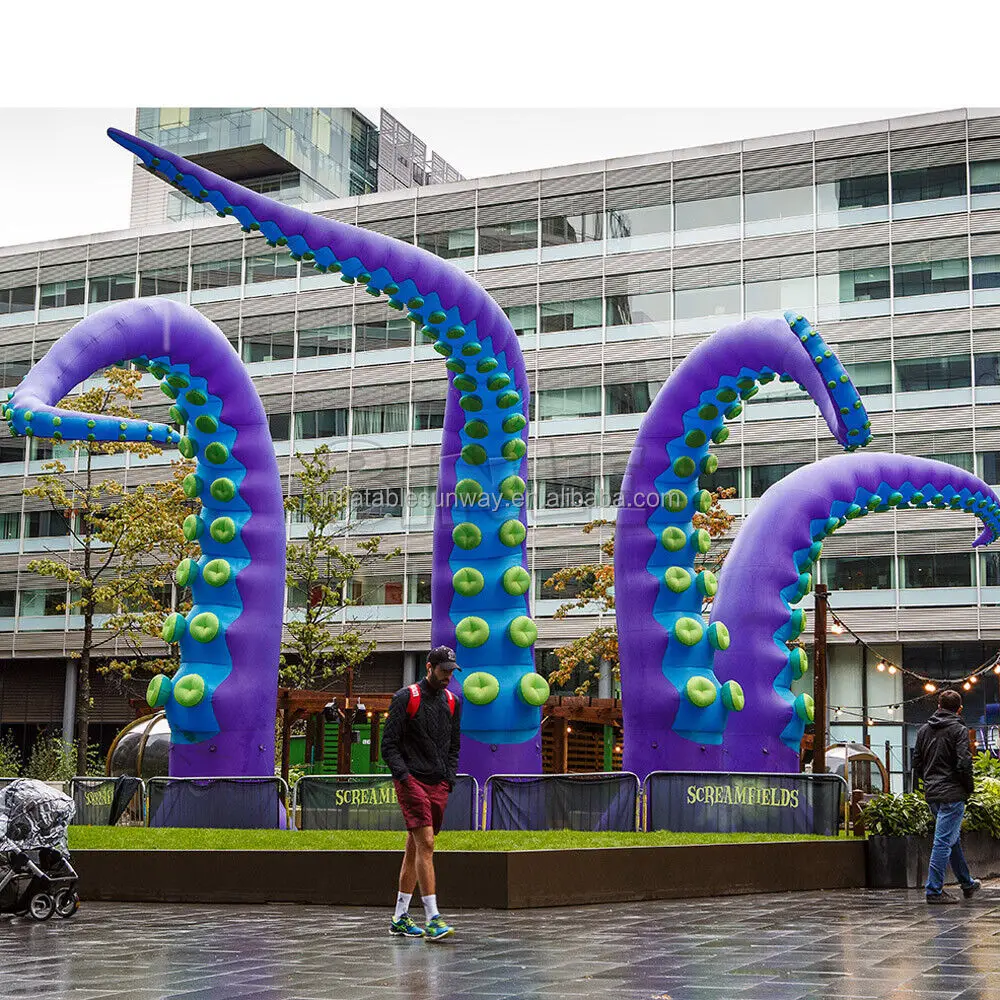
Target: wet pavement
column 847, row 943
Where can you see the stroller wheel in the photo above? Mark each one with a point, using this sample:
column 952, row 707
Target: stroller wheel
column 67, row 903
column 41, row 906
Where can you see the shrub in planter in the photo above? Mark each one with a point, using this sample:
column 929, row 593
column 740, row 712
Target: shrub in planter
column 890, row 815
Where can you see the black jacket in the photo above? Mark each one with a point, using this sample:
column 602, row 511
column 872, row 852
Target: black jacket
column 425, row 746
column 943, row 759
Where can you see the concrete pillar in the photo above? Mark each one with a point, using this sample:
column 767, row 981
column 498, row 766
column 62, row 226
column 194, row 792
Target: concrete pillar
column 409, row 669
column 69, row 701
column 604, row 680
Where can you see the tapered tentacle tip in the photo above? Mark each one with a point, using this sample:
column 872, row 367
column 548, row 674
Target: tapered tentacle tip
column 985, row 537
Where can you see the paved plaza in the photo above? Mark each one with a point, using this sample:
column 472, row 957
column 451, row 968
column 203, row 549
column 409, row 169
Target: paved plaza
column 850, row 943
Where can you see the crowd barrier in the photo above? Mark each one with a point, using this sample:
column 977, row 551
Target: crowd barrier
column 218, row 803
column 714, row 802
column 589, row 802
column 368, row 802
column 108, row 801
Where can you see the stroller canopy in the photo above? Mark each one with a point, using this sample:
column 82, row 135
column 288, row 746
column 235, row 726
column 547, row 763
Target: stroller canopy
column 34, row 815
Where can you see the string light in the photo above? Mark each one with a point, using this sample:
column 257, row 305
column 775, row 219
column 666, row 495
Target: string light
column 930, row 687
column 892, row 668
column 974, row 679
column 837, row 628
column 966, row 686
column 880, row 666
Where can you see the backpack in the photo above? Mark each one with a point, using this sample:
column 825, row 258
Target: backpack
column 414, row 703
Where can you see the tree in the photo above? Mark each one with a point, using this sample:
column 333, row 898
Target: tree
column 126, row 542
column 319, row 569
column 592, row 588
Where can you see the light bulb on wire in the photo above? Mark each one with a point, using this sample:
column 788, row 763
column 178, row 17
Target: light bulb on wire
column 836, row 628
column 892, row 668
column 966, row 686
column 974, row 679
column 880, row 666
column 930, row 687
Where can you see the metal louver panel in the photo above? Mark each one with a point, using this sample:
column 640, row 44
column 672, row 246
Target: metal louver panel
column 706, row 253
column 939, row 345
column 771, row 269
column 17, row 279
column 624, row 198
column 707, row 166
column 567, row 291
column 566, row 270
column 653, row 173
column 703, row 188
column 932, row 228
column 927, row 156
column 67, row 271
column 927, row 251
column 777, row 178
column 863, row 165
column 708, row 276
column 931, row 322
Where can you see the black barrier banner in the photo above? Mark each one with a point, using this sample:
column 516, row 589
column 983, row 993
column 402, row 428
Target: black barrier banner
column 368, row 802
column 93, row 798
column 709, row 802
column 587, row 802
column 217, row 803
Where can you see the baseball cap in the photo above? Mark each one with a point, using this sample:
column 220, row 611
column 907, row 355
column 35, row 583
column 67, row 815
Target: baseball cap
column 443, row 656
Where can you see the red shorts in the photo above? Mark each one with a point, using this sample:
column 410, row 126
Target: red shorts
column 422, row 804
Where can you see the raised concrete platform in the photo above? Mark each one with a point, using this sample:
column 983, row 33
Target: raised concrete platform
column 472, row 879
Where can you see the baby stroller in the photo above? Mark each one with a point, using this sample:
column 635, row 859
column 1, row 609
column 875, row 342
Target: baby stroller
column 36, row 877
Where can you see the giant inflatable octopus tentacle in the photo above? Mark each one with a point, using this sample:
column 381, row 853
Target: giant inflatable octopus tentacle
column 221, row 703
column 675, row 709
column 769, row 568
column 480, row 579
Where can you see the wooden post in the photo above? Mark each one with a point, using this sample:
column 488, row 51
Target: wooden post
column 560, row 740
column 286, row 741
column 307, row 754
column 819, row 681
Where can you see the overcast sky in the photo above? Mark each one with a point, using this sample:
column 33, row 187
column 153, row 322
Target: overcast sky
column 61, row 176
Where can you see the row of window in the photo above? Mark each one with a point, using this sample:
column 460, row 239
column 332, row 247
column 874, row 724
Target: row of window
column 872, row 284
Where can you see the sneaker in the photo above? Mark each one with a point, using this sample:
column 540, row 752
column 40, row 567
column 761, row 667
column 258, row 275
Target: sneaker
column 436, row 929
column 405, row 926
column 972, row 888
column 941, row 898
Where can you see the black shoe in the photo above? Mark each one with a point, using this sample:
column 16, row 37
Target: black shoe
column 972, row 888
column 941, row 898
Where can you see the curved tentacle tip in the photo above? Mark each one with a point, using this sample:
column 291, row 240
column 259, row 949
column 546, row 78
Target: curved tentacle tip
column 986, row 537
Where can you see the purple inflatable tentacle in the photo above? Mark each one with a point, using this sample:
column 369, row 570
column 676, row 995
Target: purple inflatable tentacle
column 769, row 567
column 221, row 704
column 675, row 709
column 483, row 455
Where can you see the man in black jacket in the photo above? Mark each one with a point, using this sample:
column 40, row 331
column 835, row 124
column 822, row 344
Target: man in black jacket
column 943, row 759
column 420, row 744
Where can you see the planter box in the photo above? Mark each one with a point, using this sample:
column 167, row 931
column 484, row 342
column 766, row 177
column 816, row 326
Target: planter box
column 902, row 862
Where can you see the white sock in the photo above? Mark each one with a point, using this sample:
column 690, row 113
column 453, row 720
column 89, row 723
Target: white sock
column 430, row 906
column 402, row 904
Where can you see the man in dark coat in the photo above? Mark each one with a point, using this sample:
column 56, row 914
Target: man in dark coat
column 943, row 759
column 420, row 744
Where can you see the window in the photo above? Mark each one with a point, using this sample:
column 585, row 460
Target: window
column 763, row 477
column 12, row 370
column 17, row 300
column 36, row 603
column 775, row 296
column 694, row 303
column 278, row 346
column 922, row 374
column 961, row 459
column 380, row 335
column 863, row 192
column 112, row 288
column 524, row 319
column 788, row 203
column 57, row 294
column 871, row 378
column 45, row 524
column 579, row 401
column 8, row 601
column 558, row 230
column 386, row 501
column 271, row 267
column 320, row 424
column 722, row 479
column 928, row 182
column 377, row 590
column 991, row 564
column 11, row 449
column 557, row 494
column 942, row 569
column 649, row 220
column 707, row 213
column 989, row 466
column 420, row 588
column 629, row 397
column 985, row 177
column 570, row 589
column 428, row 414
column 865, row 285
column 216, row 274
column 640, row 307
column 857, row 573
column 324, row 340
column 931, row 278
column 10, row 525
column 449, row 245
column 164, row 281
column 385, row 419
column 502, row 237
column 986, row 271
column 581, row 314
column 280, row 425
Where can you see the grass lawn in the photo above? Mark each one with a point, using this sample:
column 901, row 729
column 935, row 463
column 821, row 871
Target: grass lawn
column 138, row 838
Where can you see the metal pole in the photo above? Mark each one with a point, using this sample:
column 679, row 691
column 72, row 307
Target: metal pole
column 819, row 681
column 69, row 703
